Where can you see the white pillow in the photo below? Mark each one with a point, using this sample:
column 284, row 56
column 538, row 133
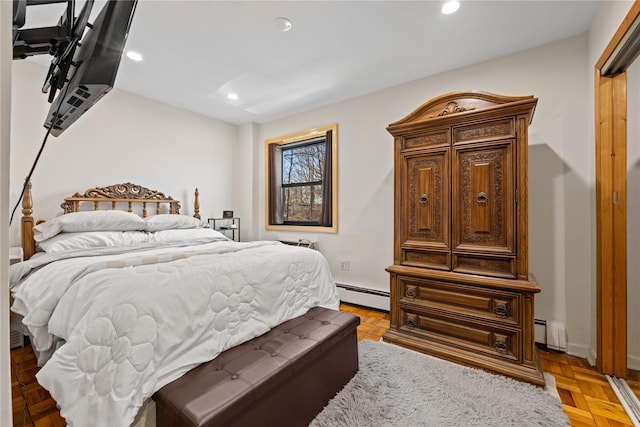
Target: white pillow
column 93, row 239
column 171, row 222
column 88, row 221
column 191, row 235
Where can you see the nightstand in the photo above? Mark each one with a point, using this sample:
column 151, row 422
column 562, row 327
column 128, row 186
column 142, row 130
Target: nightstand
column 227, row 226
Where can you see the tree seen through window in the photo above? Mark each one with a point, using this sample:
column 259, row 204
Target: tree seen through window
column 302, row 172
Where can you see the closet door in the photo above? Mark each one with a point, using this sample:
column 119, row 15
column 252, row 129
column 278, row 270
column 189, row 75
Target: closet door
column 483, row 198
column 425, row 209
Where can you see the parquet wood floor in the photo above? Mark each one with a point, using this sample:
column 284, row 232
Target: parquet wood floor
column 587, row 398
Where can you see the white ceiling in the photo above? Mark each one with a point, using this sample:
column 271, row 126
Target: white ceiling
column 196, row 51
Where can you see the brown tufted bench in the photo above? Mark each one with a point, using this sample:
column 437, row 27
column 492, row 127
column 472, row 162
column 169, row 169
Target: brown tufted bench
column 282, row 378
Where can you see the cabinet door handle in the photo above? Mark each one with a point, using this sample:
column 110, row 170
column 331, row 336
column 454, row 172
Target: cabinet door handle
column 424, row 199
column 410, row 292
column 482, row 197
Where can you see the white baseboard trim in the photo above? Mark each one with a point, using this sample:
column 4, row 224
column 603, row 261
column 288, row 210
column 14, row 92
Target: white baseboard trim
column 591, row 358
column 633, row 362
column 579, row 350
column 589, row 353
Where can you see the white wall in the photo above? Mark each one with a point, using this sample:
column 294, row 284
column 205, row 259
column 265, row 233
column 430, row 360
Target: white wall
column 244, row 181
column 560, row 171
column 6, row 17
column 124, row 137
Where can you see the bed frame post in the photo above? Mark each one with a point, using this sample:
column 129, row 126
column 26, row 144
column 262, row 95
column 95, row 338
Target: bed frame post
column 26, row 225
column 196, row 205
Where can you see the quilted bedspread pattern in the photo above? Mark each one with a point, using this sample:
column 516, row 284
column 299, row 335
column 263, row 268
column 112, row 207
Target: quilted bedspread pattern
column 133, row 322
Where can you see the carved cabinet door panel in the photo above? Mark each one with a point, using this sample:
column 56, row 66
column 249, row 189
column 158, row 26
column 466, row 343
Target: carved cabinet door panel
column 425, row 220
column 484, row 198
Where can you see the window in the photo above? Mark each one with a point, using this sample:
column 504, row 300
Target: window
column 301, row 181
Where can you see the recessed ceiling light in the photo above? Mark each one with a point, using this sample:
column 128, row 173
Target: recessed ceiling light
column 283, row 24
column 450, row 7
column 232, row 96
column 135, row 56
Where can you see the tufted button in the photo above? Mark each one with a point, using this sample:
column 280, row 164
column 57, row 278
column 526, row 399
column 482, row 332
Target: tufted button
column 302, row 337
column 274, row 354
column 234, row 376
column 324, row 322
column 286, row 331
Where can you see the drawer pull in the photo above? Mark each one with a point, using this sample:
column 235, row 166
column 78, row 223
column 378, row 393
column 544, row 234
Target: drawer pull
column 482, row 198
column 501, row 346
column 424, row 199
column 410, row 293
column 411, row 321
column 501, row 309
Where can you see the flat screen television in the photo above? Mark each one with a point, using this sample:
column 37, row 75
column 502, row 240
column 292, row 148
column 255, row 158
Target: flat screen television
column 92, row 71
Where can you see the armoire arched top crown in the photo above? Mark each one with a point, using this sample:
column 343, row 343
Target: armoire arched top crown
column 459, row 106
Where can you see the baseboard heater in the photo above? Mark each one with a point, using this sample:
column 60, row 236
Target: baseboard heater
column 16, row 339
column 540, row 331
column 550, row 334
column 371, row 298
column 363, row 290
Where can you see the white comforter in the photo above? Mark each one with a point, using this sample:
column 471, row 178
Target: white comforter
column 133, row 322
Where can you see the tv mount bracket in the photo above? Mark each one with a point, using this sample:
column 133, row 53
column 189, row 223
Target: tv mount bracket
column 52, row 40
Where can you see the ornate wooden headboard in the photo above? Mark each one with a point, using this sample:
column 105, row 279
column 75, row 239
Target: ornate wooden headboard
column 113, row 196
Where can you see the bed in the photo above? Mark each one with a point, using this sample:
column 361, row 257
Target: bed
column 119, row 302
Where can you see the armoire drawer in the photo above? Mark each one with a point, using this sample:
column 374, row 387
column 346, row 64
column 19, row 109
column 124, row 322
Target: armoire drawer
column 439, row 260
column 467, row 335
column 485, row 304
column 486, row 265
column 503, row 128
column 434, row 138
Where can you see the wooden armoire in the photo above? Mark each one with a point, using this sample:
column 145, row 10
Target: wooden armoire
column 460, row 283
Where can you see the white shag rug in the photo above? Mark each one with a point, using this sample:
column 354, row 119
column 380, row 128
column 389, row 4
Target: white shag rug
column 396, row 387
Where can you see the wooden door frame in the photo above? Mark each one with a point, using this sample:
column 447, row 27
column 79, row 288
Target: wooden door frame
column 611, row 206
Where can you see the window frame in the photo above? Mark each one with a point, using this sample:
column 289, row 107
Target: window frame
column 297, row 138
